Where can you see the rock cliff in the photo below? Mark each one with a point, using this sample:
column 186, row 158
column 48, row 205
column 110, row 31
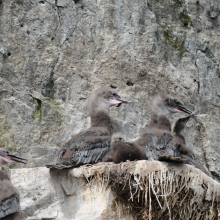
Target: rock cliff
column 53, row 53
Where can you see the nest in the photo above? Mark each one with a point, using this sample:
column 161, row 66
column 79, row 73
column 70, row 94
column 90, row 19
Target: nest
column 157, row 190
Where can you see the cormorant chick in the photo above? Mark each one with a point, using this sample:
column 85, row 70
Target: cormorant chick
column 186, row 152
column 9, row 196
column 157, row 136
column 91, row 145
column 121, row 150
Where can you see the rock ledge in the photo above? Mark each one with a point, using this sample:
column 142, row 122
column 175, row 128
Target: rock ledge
column 130, row 190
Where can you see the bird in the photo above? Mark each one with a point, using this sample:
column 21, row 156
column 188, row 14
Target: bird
column 158, row 135
column 9, row 196
column 186, row 152
column 121, row 150
column 91, row 145
column 179, row 139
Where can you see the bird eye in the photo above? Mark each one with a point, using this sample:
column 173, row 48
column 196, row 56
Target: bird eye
column 177, row 102
column 114, row 95
column 109, row 95
column 167, row 101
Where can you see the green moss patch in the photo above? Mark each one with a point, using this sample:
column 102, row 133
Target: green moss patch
column 185, row 19
column 176, row 43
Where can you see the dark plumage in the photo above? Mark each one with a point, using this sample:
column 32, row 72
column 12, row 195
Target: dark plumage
column 9, row 196
column 122, row 151
column 14, row 216
column 178, row 137
column 186, row 152
column 158, row 136
column 91, row 145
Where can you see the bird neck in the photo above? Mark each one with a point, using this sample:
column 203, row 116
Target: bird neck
column 176, row 132
column 160, row 122
column 101, row 119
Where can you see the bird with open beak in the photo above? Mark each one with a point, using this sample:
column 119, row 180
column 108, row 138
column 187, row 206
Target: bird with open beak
column 91, row 145
column 7, row 157
column 157, row 136
column 9, row 196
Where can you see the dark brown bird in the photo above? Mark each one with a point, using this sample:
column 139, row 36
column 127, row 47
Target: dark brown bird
column 157, row 136
column 9, row 196
column 186, row 152
column 121, row 150
column 178, row 138
column 91, row 145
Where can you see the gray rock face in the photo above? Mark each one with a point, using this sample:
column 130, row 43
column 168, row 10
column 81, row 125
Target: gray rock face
column 62, row 195
column 53, row 53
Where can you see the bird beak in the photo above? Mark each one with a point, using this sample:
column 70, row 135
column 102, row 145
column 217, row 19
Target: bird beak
column 182, row 108
column 121, row 101
column 17, row 159
column 117, row 101
column 193, row 114
column 186, row 119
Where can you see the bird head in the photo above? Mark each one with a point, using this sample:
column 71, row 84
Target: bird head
column 180, row 124
column 7, row 157
column 102, row 99
column 164, row 104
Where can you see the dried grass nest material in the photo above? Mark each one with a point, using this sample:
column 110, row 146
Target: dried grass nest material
column 157, row 190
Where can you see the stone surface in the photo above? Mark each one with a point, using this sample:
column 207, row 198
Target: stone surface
column 54, row 53
column 59, row 195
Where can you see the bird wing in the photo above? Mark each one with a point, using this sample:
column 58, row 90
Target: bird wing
column 194, row 161
column 9, row 205
column 162, row 149
column 87, row 147
column 168, row 150
column 151, row 143
column 9, row 196
column 152, row 139
column 77, row 141
column 164, row 141
column 81, row 139
column 93, row 151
